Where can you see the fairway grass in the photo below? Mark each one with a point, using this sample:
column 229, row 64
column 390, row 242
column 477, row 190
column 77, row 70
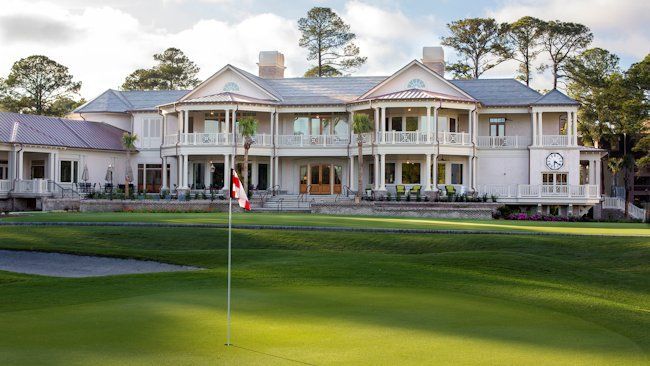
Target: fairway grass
column 327, row 298
column 299, row 219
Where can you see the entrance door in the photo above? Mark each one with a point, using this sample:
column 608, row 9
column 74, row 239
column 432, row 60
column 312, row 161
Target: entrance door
column 320, row 179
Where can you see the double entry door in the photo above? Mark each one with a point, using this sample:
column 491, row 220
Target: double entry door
column 319, row 178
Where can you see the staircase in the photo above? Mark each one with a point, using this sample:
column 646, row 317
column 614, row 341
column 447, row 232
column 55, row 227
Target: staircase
column 294, row 202
column 618, row 203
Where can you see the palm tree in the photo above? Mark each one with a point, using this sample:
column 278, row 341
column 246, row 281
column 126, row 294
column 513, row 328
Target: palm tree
column 248, row 129
column 615, row 165
column 360, row 124
column 128, row 141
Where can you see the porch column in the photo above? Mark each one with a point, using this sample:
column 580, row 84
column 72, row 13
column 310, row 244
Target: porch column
column 254, row 178
column 376, row 172
column 52, row 170
column 277, row 173
column 534, row 119
column 351, row 174
column 427, row 126
column 470, row 173
column 20, row 165
column 569, row 128
column 227, row 113
column 470, row 122
column 427, row 172
column 377, row 117
column 382, row 124
column 382, row 175
column 435, row 124
column 475, row 170
column 164, row 173
column 598, row 175
column 185, row 170
column 540, row 128
column 207, row 175
column 226, row 172
column 575, row 128
column 234, row 124
column 271, row 172
column 435, row 172
column 186, row 121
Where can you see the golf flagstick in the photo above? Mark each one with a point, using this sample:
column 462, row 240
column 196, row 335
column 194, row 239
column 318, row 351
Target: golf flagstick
column 229, row 255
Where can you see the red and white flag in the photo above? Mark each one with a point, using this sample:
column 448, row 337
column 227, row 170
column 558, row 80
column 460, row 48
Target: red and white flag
column 238, row 192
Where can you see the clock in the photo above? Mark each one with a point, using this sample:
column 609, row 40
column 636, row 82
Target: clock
column 554, row 161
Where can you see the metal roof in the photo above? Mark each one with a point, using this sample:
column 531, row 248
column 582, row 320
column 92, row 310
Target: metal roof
column 228, row 97
column 419, row 94
column 53, row 131
column 498, row 92
column 116, row 101
column 555, row 97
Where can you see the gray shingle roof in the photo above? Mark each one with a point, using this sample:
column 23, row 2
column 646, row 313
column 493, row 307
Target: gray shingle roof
column 335, row 90
column 54, row 131
column 498, row 92
column 117, row 101
column 555, row 97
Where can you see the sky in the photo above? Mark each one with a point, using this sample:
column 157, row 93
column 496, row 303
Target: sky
column 102, row 41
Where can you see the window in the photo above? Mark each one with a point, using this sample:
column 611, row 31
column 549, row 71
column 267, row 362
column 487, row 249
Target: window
column 371, row 173
column 151, row 132
column 230, row 86
column 497, row 126
column 68, row 170
column 215, row 122
column 262, row 176
column 197, row 176
column 411, row 173
column 303, row 174
column 416, row 84
column 396, row 123
column 313, row 125
column 442, row 168
column 4, row 169
column 390, row 173
column 411, row 123
column 453, row 126
column 38, row 169
column 456, row 173
column 554, row 178
column 150, row 177
column 301, row 126
column 217, row 176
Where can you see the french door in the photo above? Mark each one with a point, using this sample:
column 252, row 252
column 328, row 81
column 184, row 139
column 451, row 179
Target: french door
column 320, row 179
column 555, row 183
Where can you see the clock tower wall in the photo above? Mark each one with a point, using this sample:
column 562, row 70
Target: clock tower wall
column 570, row 160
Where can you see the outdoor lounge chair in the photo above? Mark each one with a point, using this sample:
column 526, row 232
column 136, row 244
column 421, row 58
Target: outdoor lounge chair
column 415, row 190
column 450, row 190
column 400, row 190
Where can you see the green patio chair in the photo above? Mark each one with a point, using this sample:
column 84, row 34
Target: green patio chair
column 415, row 190
column 450, row 190
column 400, row 190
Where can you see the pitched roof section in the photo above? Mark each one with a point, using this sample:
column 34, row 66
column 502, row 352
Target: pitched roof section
column 334, row 90
column 116, row 101
column 53, row 131
column 555, row 97
column 420, row 94
column 498, row 92
column 228, row 97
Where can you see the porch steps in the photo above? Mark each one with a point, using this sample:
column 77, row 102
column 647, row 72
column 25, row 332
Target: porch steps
column 295, row 203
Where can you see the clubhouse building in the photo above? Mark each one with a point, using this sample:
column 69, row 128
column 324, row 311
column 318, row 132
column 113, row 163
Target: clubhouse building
column 486, row 136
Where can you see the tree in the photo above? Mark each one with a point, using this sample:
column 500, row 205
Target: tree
column 326, row 71
column 562, row 40
column 360, row 124
column 643, row 146
column 479, row 43
column 128, row 141
column 615, row 165
column 638, row 77
column 589, row 75
column 523, row 37
column 173, row 71
column 39, row 85
column 329, row 41
column 248, row 129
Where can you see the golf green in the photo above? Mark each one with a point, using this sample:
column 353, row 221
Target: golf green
column 327, row 298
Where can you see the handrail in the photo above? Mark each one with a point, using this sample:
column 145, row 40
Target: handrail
column 274, row 190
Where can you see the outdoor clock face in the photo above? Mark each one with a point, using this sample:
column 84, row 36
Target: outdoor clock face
column 554, row 161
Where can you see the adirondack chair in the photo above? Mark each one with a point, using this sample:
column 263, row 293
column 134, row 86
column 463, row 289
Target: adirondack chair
column 450, row 190
column 415, row 190
column 400, row 191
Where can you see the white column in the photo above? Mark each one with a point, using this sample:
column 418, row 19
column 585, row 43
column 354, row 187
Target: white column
column 21, row 164
column 575, row 128
column 427, row 172
column 164, row 173
column 569, row 128
column 271, row 172
column 534, row 118
column 470, row 173
column 435, row 172
column 277, row 181
column 254, row 178
column 185, row 171
column 50, row 163
column 470, row 122
column 271, row 123
column 475, row 170
column 382, row 124
column 382, row 175
column 351, row 173
column 179, row 171
column 226, row 171
column 227, row 112
column 376, row 173
column 377, row 117
column 598, row 173
column 207, row 174
column 540, row 128
column 186, row 121
column 435, row 124
column 428, row 124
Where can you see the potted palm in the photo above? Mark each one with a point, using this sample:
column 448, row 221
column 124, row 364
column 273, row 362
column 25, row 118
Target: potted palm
column 128, row 141
column 360, row 125
column 247, row 129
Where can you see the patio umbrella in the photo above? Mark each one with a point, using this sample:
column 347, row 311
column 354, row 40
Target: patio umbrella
column 109, row 174
column 84, row 174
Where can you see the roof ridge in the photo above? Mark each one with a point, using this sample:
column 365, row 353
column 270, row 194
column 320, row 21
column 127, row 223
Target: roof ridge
column 118, row 93
column 74, row 132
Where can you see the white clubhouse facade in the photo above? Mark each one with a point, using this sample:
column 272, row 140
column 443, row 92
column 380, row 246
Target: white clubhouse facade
column 485, row 136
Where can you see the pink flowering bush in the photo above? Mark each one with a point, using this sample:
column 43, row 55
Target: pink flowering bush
column 522, row 216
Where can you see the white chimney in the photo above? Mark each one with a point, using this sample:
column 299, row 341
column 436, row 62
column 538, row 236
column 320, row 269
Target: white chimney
column 271, row 65
column 434, row 58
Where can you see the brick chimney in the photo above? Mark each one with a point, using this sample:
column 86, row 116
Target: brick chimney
column 271, row 65
column 434, row 58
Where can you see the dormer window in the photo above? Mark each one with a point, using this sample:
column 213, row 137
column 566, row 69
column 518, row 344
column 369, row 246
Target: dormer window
column 416, row 84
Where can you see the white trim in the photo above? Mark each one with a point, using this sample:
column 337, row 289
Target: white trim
column 217, row 74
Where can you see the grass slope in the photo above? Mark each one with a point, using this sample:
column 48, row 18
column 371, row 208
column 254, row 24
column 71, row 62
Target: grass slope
column 574, row 228
column 332, row 298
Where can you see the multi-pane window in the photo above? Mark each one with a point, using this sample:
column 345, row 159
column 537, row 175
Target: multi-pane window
column 4, row 169
column 390, row 173
column 411, row 173
column 312, row 125
column 411, row 123
column 497, row 126
column 442, row 168
column 453, row 126
column 456, row 173
column 554, row 178
column 68, row 171
column 38, row 169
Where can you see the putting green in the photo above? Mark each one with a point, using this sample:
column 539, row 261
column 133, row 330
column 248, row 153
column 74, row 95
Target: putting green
column 312, row 325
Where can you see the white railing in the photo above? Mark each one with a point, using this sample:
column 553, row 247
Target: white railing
column 503, row 142
column 312, row 141
column 555, row 140
column 170, row 140
column 406, row 137
column 618, row 203
column 539, row 190
column 5, row 186
column 259, row 140
column 365, row 137
column 454, row 138
column 36, row 186
column 199, row 138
